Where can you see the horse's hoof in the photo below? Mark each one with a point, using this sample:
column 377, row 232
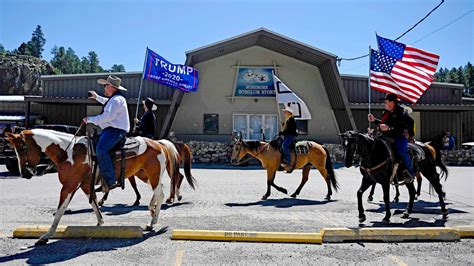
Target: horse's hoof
column 136, row 203
column 445, row 214
column 328, row 198
column 362, row 219
column 395, row 200
column 294, row 195
column 264, row 197
column 416, row 197
column 148, row 228
column 41, row 242
column 386, row 220
column 169, row 201
column 284, row 191
column 405, row 215
column 370, row 199
column 179, row 198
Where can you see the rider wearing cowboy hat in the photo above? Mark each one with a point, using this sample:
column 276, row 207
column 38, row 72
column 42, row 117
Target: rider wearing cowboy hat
column 289, row 134
column 146, row 124
column 394, row 124
column 114, row 123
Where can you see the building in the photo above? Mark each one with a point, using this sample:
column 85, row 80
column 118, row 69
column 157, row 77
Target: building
column 222, row 106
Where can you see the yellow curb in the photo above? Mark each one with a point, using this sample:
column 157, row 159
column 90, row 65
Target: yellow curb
column 391, row 234
column 246, row 236
column 80, row 232
column 466, row 231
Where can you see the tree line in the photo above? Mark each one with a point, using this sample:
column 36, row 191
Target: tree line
column 462, row 75
column 64, row 61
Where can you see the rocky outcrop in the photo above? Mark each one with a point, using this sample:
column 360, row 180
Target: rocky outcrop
column 20, row 74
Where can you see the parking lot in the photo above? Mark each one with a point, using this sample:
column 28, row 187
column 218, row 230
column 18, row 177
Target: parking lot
column 228, row 198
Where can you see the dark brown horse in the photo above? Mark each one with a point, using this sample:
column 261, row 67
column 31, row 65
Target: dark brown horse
column 185, row 156
column 70, row 155
column 270, row 157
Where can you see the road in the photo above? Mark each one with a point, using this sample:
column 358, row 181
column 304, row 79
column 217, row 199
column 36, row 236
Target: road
column 229, row 199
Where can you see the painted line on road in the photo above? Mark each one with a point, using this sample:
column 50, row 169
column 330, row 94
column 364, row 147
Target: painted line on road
column 398, row 260
column 80, row 232
column 246, row 236
column 179, row 254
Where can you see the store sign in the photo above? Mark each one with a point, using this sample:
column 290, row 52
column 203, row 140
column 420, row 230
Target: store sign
column 254, row 82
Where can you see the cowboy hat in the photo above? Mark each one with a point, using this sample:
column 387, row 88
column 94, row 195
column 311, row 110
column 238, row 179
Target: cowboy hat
column 150, row 104
column 390, row 97
column 288, row 109
column 113, row 81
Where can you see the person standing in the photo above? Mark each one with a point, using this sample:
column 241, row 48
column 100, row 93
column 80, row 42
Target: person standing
column 113, row 121
column 145, row 127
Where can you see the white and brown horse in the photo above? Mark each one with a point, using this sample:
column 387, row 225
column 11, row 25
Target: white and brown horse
column 70, row 155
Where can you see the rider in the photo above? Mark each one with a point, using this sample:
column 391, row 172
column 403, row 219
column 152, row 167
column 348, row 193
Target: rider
column 393, row 124
column 114, row 123
column 146, row 124
column 289, row 134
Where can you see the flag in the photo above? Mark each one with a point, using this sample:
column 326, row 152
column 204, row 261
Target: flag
column 391, row 75
column 159, row 70
column 288, row 98
column 418, row 58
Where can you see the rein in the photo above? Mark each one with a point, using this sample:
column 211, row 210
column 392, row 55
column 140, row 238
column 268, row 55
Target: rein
column 369, row 170
column 247, row 160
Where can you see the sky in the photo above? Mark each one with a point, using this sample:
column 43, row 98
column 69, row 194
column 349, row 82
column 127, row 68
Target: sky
column 120, row 30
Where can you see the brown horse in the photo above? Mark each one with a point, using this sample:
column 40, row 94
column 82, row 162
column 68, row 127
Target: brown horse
column 70, row 155
column 185, row 156
column 270, row 157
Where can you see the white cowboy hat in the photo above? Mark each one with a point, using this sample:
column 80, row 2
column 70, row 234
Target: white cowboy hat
column 149, row 101
column 288, row 109
column 114, row 81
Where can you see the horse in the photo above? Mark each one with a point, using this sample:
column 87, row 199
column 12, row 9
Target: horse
column 379, row 166
column 269, row 155
column 185, row 157
column 71, row 156
column 434, row 149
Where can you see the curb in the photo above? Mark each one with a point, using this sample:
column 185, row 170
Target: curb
column 466, row 231
column 246, row 236
column 80, row 232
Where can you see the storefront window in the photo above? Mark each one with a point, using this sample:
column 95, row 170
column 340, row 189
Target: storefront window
column 252, row 125
column 211, row 123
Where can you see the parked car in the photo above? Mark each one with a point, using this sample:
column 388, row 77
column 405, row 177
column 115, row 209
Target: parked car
column 11, row 161
column 468, row 145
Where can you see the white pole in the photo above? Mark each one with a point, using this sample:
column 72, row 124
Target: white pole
column 141, row 85
column 276, row 99
column 368, row 80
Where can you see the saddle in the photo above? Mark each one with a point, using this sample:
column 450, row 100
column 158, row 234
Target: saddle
column 124, row 149
column 297, row 148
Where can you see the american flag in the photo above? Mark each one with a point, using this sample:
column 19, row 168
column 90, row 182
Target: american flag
column 418, row 58
column 391, row 75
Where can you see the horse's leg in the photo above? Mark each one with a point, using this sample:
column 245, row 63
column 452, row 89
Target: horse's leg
column 419, row 180
column 412, row 193
column 86, row 189
column 178, row 187
column 304, row 179
column 320, row 165
column 366, row 183
column 270, row 176
column 104, row 198
column 397, row 194
column 282, row 190
column 175, row 191
column 133, row 183
column 371, row 194
column 155, row 178
column 430, row 173
column 386, row 199
column 64, row 198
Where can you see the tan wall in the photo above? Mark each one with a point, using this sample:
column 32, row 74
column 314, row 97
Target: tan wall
column 216, row 82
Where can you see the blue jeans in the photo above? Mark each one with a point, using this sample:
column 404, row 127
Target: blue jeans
column 286, row 148
column 401, row 146
column 108, row 139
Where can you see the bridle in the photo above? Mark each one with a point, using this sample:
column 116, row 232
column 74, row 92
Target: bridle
column 240, row 147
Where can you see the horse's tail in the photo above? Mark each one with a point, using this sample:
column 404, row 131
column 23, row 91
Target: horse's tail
column 439, row 162
column 186, row 157
column 172, row 155
column 330, row 170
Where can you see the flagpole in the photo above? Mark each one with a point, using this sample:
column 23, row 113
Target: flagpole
column 276, row 98
column 368, row 80
column 141, row 85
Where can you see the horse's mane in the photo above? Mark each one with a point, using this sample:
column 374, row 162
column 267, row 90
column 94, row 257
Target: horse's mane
column 274, row 144
column 251, row 144
column 62, row 137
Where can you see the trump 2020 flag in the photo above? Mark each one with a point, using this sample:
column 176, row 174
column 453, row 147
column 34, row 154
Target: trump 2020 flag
column 159, row 70
column 423, row 60
column 288, row 98
column 390, row 75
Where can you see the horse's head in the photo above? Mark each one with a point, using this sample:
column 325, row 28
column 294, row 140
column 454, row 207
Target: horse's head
column 238, row 151
column 349, row 143
column 27, row 151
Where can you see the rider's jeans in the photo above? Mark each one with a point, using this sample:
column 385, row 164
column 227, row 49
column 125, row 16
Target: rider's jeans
column 286, row 148
column 401, row 145
column 108, row 139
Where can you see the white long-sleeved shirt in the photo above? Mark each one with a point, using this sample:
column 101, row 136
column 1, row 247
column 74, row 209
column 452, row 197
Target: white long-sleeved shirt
column 115, row 113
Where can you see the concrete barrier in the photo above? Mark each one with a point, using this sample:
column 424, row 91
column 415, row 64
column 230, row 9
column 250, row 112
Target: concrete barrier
column 389, row 234
column 466, row 231
column 80, row 232
column 246, row 236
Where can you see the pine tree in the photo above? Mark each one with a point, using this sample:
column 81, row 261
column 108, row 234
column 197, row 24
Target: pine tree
column 23, row 49
column 117, row 68
column 2, row 49
column 37, row 42
column 93, row 59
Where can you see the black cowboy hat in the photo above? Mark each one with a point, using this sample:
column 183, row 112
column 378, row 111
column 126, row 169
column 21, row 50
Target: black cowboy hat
column 390, row 97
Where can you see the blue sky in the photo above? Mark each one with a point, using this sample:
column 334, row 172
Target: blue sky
column 120, row 30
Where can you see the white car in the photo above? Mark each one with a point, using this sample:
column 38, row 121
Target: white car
column 468, row 145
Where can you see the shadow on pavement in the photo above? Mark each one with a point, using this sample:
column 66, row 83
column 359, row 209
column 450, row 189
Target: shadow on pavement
column 280, row 203
column 420, row 206
column 119, row 209
column 66, row 249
